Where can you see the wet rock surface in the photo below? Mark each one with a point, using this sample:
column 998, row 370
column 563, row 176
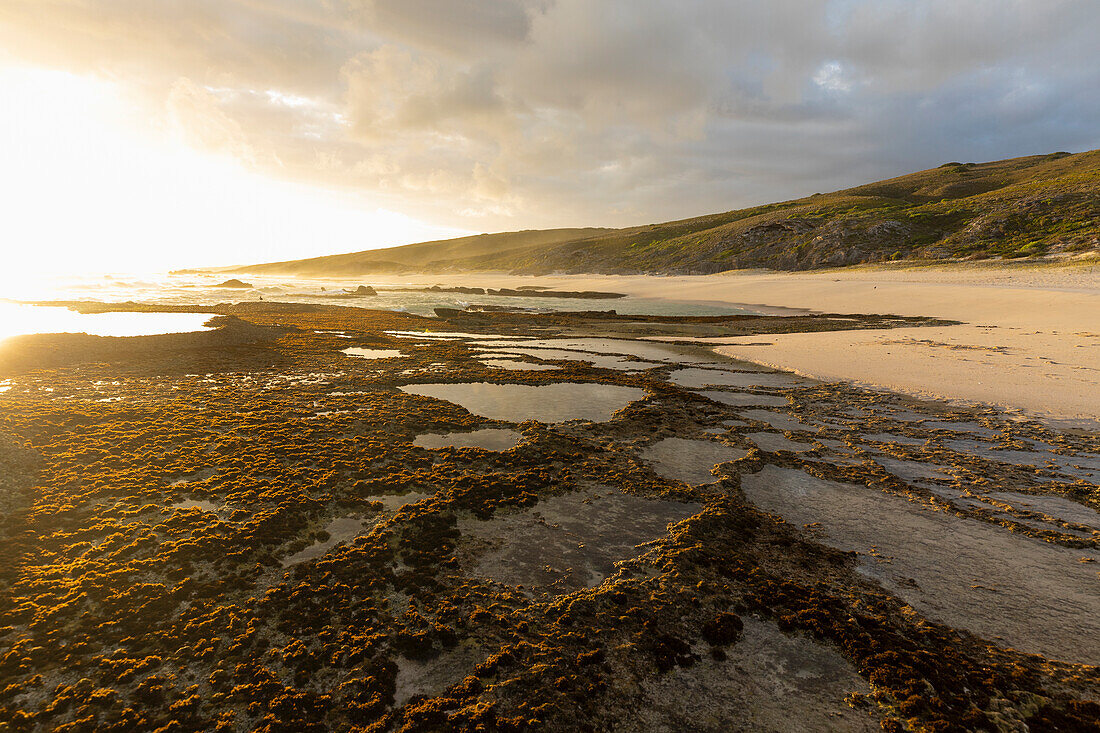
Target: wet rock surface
column 238, row 532
column 690, row 461
column 567, row 543
column 774, row 682
column 1028, row 594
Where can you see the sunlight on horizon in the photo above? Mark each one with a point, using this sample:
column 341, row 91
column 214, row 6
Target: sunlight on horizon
column 91, row 184
column 19, row 320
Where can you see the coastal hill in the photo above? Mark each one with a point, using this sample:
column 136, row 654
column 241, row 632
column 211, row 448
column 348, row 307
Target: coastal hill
column 422, row 256
column 1022, row 207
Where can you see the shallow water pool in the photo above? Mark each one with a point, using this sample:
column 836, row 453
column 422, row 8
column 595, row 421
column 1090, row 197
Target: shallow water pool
column 1007, row 587
column 740, row 399
column 624, row 347
column 513, row 365
column 340, row 529
column 602, row 361
column 690, row 461
column 696, row 378
column 372, row 353
column 20, row 320
column 773, row 442
column 495, row 439
column 549, row 403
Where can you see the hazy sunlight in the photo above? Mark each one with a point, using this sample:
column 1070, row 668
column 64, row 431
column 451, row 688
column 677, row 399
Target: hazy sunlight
column 90, row 184
column 16, row 320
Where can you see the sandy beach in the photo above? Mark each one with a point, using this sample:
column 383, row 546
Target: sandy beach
column 1028, row 339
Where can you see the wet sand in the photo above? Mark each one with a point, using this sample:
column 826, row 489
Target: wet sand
column 1029, row 338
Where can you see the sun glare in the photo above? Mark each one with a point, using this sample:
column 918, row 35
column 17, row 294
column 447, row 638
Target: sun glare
column 91, row 184
column 16, row 320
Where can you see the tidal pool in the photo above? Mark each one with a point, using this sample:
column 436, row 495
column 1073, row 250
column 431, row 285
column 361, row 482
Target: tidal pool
column 339, row 530
column 777, row 420
column 439, row 335
column 912, row 471
column 690, row 461
column 566, row 543
column 393, row 502
column 19, row 320
column 990, row 453
column 549, row 403
column 965, row 427
column 204, row 505
column 1085, row 467
column 892, row 438
column 201, row 475
column 372, row 353
column 773, row 442
column 740, row 399
column 773, row 681
column 696, row 378
column 1004, row 586
column 1058, row 507
column 649, row 350
column 517, row 366
column 429, row 677
column 603, row 361
column 490, row 439
column 537, row 353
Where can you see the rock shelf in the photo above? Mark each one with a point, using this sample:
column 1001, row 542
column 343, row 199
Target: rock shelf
column 237, row 530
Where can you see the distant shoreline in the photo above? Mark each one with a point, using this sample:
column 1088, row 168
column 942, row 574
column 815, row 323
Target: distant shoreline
column 1030, row 339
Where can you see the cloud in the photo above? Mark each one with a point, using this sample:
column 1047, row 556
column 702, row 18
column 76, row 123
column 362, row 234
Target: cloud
column 514, row 113
column 199, row 118
column 454, row 27
column 391, row 92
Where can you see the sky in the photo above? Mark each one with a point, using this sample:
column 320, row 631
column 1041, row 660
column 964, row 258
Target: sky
column 145, row 134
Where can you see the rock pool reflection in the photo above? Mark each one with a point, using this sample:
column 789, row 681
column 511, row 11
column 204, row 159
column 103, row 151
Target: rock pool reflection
column 549, row 403
column 690, row 461
column 371, row 353
column 19, row 320
column 490, row 439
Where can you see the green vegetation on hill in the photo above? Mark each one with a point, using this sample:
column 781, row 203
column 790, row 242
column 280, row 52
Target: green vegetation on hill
column 1023, row 207
column 422, row 256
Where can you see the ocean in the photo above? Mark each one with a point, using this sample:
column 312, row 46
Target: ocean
column 18, row 317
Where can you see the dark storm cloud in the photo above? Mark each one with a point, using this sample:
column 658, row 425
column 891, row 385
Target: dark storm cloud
column 506, row 113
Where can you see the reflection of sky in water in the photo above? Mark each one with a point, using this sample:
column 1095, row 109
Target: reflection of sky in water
column 654, row 350
column 712, row 377
column 517, row 366
column 339, row 530
column 372, row 353
column 494, row 439
column 687, row 460
column 183, row 289
column 16, row 320
column 548, row 403
column 604, row 361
